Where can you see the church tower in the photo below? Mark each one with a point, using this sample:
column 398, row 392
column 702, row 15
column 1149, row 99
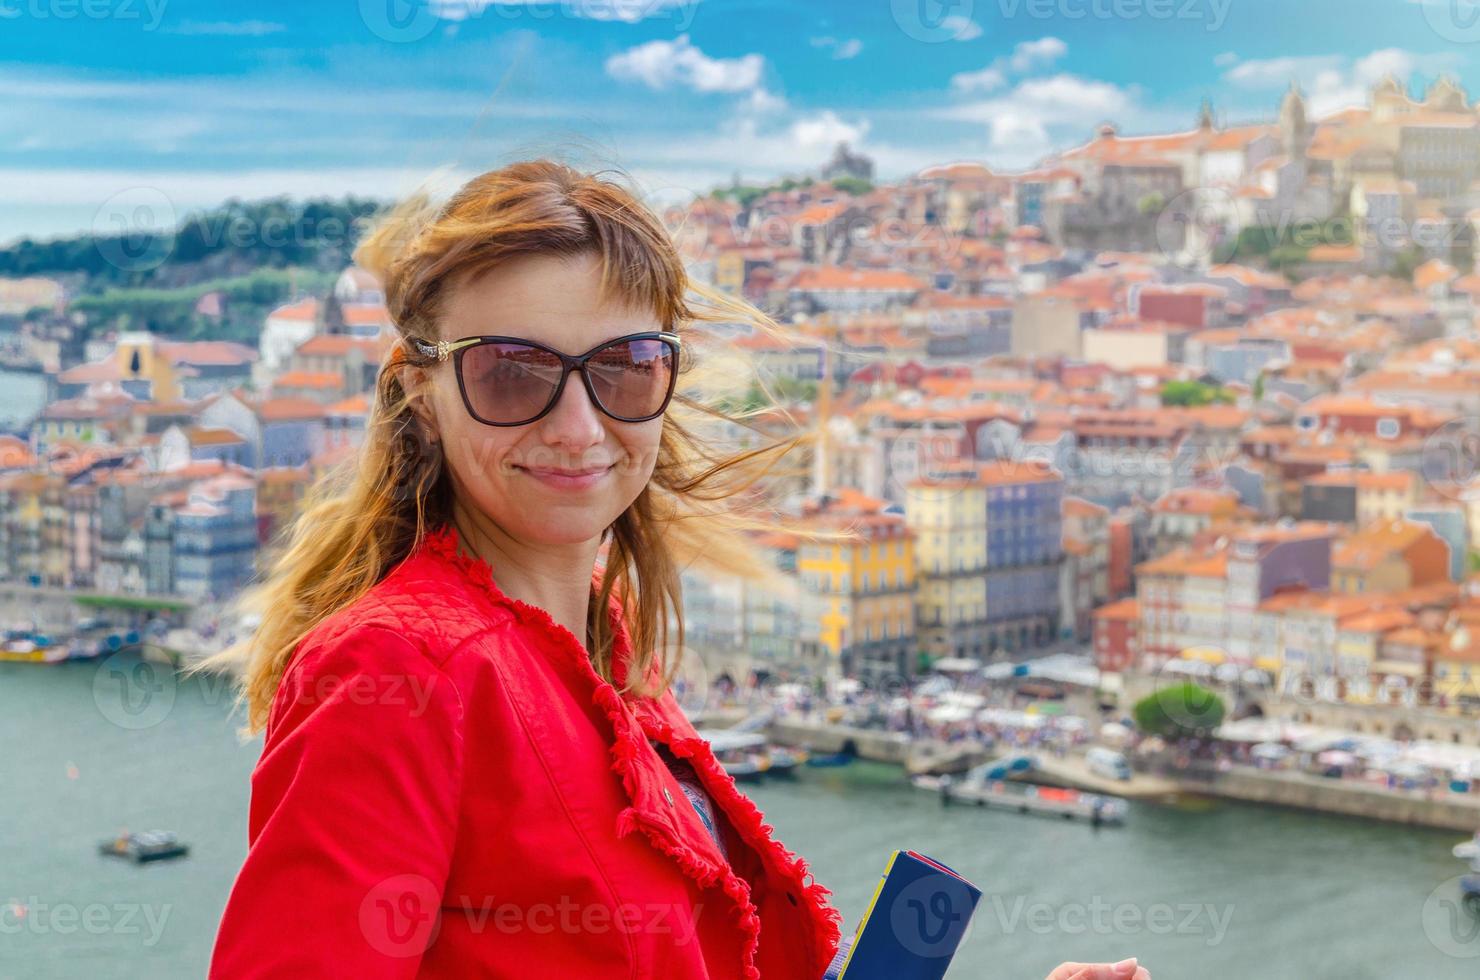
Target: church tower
column 1294, row 130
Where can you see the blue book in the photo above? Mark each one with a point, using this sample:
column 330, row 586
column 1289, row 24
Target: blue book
column 914, row 922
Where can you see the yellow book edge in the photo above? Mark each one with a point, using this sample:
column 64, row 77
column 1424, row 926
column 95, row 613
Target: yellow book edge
column 858, row 933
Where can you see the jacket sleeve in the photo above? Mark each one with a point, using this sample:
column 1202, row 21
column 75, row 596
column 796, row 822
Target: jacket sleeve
column 353, row 817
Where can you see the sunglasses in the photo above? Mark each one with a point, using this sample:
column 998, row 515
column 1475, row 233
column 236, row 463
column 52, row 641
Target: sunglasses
column 510, row 381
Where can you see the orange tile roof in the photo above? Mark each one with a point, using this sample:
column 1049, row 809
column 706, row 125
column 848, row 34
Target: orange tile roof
column 204, row 352
column 211, row 437
column 1123, row 609
column 1197, row 500
column 309, row 379
column 365, row 315
column 283, row 474
column 828, row 277
column 1364, row 479
column 1116, row 149
column 353, row 405
column 819, row 214
column 304, row 310
column 1378, row 621
column 289, row 408
column 1377, row 542
column 1013, row 472
column 1432, row 273
column 105, row 370
column 340, row 344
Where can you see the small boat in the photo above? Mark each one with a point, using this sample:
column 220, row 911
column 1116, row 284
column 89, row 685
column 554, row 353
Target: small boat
column 743, row 754
column 830, row 759
column 784, row 760
column 978, row 788
column 150, row 845
column 23, row 651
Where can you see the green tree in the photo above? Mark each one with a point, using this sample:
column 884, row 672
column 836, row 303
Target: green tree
column 856, row 186
column 1408, row 260
column 1194, row 393
column 1180, row 710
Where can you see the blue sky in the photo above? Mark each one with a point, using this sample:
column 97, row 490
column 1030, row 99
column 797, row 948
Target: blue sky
column 203, row 100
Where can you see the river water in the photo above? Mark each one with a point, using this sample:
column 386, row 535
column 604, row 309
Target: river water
column 1211, row 890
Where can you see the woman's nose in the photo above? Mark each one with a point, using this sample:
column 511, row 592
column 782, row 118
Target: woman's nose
column 574, row 420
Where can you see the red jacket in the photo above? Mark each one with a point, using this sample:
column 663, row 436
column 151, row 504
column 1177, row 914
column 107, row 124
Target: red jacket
column 448, row 789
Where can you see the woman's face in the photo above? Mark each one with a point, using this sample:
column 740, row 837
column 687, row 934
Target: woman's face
column 505, row 472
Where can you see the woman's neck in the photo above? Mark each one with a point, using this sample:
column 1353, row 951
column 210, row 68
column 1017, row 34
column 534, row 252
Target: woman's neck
column 557, row 580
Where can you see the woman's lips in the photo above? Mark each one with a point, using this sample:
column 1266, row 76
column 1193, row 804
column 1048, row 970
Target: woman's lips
column 562, row 480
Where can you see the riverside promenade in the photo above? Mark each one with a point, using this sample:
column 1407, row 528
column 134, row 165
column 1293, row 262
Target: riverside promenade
column 1299, row 790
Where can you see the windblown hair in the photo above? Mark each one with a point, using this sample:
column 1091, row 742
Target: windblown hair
column 699, row 507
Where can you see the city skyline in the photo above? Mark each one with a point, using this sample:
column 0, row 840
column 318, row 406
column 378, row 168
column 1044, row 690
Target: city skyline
column 208, row 104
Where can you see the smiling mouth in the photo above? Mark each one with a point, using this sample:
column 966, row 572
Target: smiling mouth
column 568, row 474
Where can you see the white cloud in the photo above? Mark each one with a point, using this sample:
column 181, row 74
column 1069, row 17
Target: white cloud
column 630, row 11
column 961, row 28
column 1388, row 61
column 1333, row 82
column 1055, row 99
column 1225, row 59
column 1039, row 115
column 841, row 49
column 1025, row 57
column 987, row 79
column 1014, row 131
column 1278, row 72
column 826, row 129
column 1034, row 54
column 678, row 63
column 226, row 28
column 763, row 102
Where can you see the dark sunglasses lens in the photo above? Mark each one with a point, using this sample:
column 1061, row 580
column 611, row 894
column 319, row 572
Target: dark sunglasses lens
column 632, row 379
column 509, row 383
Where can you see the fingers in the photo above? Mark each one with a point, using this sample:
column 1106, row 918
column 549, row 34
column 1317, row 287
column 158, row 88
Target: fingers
column 1126, row 969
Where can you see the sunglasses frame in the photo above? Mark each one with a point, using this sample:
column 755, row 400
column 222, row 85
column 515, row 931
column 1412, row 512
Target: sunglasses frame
column 454, row 349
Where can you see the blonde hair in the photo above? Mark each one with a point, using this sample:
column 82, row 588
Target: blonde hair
column 363, row 518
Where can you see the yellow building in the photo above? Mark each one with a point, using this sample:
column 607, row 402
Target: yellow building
column 1358, row 645
column 1456, row 666
column 949, row 520
column 138, row 358
column 858, row 614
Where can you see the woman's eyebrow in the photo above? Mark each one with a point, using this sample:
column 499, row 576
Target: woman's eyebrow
column 525, row 338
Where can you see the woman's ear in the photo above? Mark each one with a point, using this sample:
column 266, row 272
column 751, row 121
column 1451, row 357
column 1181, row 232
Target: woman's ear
column 417, row 386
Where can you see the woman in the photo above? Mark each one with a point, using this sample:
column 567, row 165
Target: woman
column 473, row 765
